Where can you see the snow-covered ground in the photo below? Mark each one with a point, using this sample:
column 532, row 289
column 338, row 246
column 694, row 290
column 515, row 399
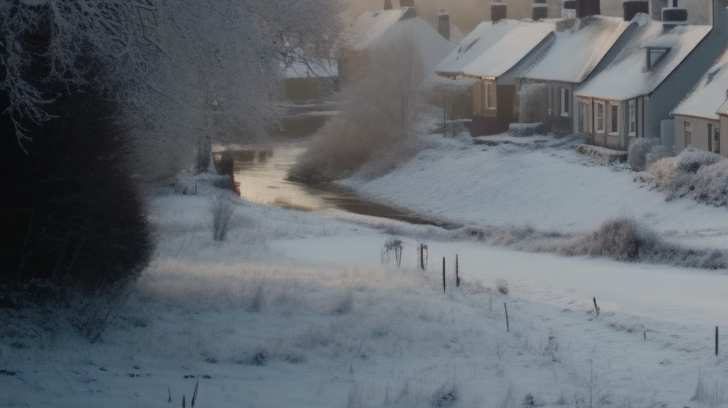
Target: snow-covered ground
column 296, row 309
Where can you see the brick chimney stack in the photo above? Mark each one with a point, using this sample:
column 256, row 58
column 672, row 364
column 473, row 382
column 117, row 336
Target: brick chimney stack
column 443, row 24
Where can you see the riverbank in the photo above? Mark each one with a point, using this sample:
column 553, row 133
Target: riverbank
column 537, row 182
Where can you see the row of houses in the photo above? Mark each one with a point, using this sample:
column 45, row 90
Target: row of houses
column 653, row 72
column 613, row 79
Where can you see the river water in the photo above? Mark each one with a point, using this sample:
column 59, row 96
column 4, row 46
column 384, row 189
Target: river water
column 262, row 172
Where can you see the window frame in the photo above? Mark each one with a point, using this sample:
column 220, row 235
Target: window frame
column 565, row 105
column 490, row 101
column 687, row 133
column 614, row 126
column 600, row 110
column 632, row 120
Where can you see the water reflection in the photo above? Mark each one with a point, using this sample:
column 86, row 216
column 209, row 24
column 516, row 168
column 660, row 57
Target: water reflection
column 262, row 176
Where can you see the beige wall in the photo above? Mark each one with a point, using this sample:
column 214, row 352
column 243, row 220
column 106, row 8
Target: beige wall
column 700, row 133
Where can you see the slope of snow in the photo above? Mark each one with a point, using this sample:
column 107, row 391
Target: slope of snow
column 522, row 182
column 299, row 309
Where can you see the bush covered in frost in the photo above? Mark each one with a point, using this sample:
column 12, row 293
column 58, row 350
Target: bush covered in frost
column 693, row 173
column 638, row 150
column 622, row 239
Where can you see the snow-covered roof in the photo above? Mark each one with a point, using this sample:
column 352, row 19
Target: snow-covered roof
column 368, row 27
column 709, row 95
column 312, row 68
column 627, row 76
column 433, row 46
column 579, row 45
column 511, row 49
column 372, row 28
column 473, row 45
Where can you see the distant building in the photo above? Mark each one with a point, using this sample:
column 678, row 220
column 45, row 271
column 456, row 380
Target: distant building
column 652, row 73
column 701, row 118
column 371, row 28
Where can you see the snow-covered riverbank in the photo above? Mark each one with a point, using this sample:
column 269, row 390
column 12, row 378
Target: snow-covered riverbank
column 295, row 309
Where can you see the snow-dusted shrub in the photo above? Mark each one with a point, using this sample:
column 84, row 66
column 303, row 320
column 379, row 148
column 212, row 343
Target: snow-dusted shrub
column 221, row 212
column 638, row 150
column 693, row 173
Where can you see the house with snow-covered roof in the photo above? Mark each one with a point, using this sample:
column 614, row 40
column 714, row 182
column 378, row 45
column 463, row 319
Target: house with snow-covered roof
column 662, row 61
column 494, row 98
column 370, row 29
column 581, row 47
column 455, row 88
column 698, row 117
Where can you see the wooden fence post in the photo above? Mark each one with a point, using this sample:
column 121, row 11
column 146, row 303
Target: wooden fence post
column 595, row 306
column 508, row 326
column 457, row 272
column 443, row 274
column 716, row 340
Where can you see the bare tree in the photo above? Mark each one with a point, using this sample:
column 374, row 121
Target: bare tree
column 377, row 114
column 181, row 70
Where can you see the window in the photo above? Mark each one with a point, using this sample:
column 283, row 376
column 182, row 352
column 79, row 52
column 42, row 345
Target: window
column 478, row 98
column 490, row 101
column 631, row 107
column 716, row 141
column 599, row 117
column 688, row 132
column 565, row 102
column 713, row 138
column 583, row 117
column 613, row 118
column 655, row 55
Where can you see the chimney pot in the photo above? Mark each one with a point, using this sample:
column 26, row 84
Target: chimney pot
column 586, row 8
column 406, row 3
column 540, row 10
column 443, row 24
column 387, row 4
column 498, row 11
column 633, row 7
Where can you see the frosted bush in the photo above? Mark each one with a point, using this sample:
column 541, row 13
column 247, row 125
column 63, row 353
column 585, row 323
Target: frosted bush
column 694, row 173
column 638, row 150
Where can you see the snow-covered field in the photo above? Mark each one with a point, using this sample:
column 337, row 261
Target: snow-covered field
column 296, row 309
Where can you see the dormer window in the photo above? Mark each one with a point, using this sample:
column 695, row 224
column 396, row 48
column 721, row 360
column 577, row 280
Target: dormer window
column 655, row 55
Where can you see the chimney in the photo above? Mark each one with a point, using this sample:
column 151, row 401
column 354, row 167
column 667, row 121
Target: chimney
column 632, row 7
column 387, row 4
column 656, row 7
column 406, row 3
column 498, row 11
column 540, row 10
column 674, row 16
column 586, row 8
column 568, row 9
column 443, row 24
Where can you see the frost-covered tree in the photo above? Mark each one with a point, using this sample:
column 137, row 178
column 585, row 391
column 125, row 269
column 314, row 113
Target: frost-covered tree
column 180, row 69
column 377, row 117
